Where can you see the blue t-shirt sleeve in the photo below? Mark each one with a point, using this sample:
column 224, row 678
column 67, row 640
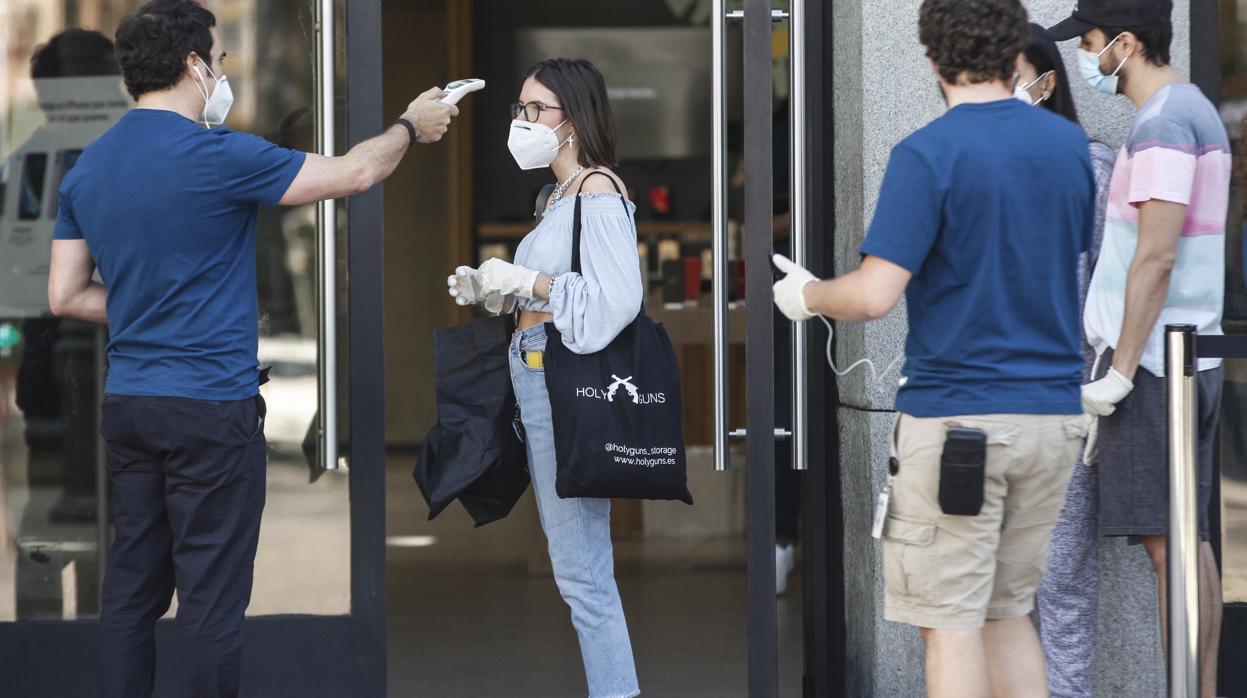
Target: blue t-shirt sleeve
column 66, row 224
column 254, row 170
column 907, row 218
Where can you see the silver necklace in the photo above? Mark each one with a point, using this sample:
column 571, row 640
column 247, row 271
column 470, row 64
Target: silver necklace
column 562, row 187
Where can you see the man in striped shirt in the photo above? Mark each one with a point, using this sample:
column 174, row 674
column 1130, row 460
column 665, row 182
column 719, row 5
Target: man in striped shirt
column 1162, row 261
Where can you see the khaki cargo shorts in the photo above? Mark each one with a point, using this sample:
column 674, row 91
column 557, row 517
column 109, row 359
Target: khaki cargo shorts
column 953, row 572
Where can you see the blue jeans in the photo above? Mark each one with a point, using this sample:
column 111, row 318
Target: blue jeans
column 579, row 535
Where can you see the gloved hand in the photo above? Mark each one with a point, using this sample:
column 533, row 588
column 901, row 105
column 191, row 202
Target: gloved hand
column 465, row 286
column 1101, row 397
column 497, row 276
column 790, row 290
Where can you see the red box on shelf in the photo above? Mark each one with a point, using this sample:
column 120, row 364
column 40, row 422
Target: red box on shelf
column 660, row 200
column 692, row 280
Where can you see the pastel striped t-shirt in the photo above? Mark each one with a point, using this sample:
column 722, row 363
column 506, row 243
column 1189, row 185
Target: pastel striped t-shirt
column 1177, row 151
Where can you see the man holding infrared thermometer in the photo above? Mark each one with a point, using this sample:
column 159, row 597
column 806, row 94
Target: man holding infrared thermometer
column 989, row 422
column 165, row 203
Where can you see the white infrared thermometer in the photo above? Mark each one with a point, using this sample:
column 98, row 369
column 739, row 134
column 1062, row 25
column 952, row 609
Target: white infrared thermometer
column 459, row 89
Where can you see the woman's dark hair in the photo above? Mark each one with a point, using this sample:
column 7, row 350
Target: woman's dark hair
column 153, row 43
column 977, row 39
column 1042, row 53
column 1156, row 40
column 582, row 95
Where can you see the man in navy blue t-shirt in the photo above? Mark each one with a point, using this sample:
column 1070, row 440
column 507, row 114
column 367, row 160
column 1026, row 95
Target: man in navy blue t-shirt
column 980, row 222
column 166, row 209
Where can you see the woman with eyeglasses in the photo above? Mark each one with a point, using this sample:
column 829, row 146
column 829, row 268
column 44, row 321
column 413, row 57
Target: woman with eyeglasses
column 563, row 122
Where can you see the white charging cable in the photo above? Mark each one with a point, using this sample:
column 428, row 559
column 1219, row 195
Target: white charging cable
column 877, row 377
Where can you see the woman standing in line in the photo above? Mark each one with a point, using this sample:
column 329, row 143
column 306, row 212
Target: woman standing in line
column 1069, row 597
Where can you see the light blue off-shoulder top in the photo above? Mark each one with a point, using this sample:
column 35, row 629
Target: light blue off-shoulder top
column 590, row 308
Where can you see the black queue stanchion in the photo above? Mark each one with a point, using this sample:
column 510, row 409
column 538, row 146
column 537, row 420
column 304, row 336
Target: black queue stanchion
column 1182, row 353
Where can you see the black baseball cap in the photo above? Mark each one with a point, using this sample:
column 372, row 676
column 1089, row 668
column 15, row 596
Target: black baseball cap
column 1090, row 14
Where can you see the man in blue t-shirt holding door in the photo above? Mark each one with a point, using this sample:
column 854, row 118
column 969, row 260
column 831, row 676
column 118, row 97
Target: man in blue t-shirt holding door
column 166, row 209
column 980, row 222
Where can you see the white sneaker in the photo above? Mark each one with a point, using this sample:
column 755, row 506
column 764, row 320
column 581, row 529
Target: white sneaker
column 785, row 561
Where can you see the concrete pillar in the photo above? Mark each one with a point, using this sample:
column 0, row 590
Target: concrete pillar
column 884, row 91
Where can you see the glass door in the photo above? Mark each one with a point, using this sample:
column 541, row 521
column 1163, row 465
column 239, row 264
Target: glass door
column 59, row 89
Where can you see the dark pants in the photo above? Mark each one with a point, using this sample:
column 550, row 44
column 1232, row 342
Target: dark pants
column 187, row 485
column 1134, row 455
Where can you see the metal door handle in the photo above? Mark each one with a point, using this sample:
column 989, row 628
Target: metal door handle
column 326, row 239
column 739, row 15
column 797, row 228
column 779, row 434
column 797, row 231
column 718, row 231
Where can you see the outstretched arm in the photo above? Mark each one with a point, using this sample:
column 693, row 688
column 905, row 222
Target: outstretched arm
column 373, row 160
column 867, row 293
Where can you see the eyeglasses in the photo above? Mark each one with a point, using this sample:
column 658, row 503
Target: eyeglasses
column 531, row 111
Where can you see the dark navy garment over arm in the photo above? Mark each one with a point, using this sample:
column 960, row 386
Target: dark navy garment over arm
column 168, row 210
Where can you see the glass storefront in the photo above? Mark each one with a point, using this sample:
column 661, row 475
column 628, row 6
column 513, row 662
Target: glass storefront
column 60, row 88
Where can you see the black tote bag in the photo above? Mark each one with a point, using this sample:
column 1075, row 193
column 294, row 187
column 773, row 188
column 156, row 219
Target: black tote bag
column 617, row 413
column 475, row 452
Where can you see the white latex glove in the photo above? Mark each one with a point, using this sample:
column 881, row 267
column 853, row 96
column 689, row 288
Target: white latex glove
column 1101, row 397
column 505, row 278
column 465, row 286
column 790, row 290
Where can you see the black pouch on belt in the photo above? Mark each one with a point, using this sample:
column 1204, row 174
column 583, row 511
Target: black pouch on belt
column 962, row 468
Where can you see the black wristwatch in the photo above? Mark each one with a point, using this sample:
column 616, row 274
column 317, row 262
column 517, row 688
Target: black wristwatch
column 411, row 130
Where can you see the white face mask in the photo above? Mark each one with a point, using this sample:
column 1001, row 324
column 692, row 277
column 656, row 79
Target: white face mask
column 1021, row 92
column 534, row 145
column 216, row 104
